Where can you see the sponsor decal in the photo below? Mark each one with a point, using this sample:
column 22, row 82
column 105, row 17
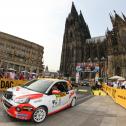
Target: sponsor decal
column 21, row 115
column 6, row 84
column 56, row 102
column 62, row 94
column 122, row 97
column 59, row 109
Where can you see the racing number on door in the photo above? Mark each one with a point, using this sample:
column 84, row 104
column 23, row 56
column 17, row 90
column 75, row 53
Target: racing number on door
column 56, row 102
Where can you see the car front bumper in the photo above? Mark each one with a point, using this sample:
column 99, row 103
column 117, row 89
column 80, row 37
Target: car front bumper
column 11, row 110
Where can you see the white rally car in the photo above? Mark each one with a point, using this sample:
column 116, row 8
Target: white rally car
column 38, row 98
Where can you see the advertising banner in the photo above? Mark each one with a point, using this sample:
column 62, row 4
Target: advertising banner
column 7, row 83
column 118, row 95
column 77, row 77
column 87, row 67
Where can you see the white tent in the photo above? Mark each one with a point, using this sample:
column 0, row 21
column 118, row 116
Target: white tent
column 117, row 78
column 11, row 69
column 121, row 79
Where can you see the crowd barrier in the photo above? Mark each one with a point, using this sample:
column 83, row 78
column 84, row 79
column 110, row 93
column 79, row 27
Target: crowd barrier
column 98, row 93
column 118, row 95
column 7, row 83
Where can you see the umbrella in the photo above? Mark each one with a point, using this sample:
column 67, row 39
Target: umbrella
column 24, row 71
column 121, row 79
column 117, row 78
column 11, row 69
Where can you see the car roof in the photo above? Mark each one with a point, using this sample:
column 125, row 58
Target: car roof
column 51, row 79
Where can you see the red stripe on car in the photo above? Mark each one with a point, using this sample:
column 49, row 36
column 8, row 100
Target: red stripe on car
column 31, row 96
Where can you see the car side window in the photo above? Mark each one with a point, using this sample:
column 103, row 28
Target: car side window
column 64, row 84
column 54, row 87
column 61, row 86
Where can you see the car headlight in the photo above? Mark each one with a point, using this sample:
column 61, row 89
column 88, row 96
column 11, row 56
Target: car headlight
column 22, row 100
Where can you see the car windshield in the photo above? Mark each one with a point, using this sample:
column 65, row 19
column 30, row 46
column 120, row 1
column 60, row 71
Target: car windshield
column 38, row 85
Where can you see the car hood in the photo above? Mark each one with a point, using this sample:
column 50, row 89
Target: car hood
column 20, row 92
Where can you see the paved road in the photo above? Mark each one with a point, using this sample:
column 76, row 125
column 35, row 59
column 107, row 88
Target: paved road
column 96, row 111
column 82, row 96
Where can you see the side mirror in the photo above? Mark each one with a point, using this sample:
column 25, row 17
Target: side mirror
column 56, row 92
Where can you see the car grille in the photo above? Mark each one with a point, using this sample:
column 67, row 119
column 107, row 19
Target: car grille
column 7, row 104
column 8, row 94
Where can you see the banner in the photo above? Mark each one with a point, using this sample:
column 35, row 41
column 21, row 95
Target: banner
column 77, row 77
column 87, row 67
column 118, row 95
column 7, row 83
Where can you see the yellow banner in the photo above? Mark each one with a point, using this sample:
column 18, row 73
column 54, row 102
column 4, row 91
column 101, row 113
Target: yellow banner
column 118, row 95
column 7, row 83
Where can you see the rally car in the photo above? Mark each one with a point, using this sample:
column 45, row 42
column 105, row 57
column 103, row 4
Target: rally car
column 38, row 98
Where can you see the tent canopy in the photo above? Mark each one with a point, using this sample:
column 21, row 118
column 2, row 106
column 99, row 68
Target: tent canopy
column 11, row 69
column 117, row 78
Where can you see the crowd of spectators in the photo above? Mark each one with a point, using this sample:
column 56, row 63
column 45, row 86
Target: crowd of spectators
column 117, row 84
column 14, row 75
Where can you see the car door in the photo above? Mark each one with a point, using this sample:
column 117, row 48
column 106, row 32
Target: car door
column 54, row 100
column 58, row 101
column 63, row 87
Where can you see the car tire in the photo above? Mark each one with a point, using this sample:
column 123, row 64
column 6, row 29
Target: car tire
column 39, row 115
column 73, row 102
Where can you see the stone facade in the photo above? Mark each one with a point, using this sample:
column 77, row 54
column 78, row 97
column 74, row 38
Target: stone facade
column 20, row 54
column 108, row 51
column 116, row 43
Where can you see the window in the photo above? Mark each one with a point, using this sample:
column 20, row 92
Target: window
column 38, row 85
column 61, row 86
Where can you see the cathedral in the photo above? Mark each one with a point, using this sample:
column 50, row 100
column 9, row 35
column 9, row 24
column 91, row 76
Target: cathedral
column 108, row 52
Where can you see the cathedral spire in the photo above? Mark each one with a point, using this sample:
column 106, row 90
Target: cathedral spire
column 81, row 17
column 119, row 20
column 83, row 25
column 124, row 17
column 73, row 10
column 115, row 12
column 107, row 29
column 112, row 19
column 80, row 12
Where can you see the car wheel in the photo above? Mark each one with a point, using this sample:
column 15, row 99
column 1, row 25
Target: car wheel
column 39, row 115
column 73, row 102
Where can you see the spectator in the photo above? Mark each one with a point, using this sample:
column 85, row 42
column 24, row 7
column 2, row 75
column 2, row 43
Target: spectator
column 21, row 77
column 115, row 84
column 123, row 86
column 30, row 76
column 12, row 75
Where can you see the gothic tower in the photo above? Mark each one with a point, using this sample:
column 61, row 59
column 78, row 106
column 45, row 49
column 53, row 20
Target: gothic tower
column 75, row 34
column 116, row 43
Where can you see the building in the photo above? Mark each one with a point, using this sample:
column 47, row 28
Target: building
column 76, row 33
column 108, row 51
column 20, row 54
column 116, row 45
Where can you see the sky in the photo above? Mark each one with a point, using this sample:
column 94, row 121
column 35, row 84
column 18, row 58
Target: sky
column 43, row 21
